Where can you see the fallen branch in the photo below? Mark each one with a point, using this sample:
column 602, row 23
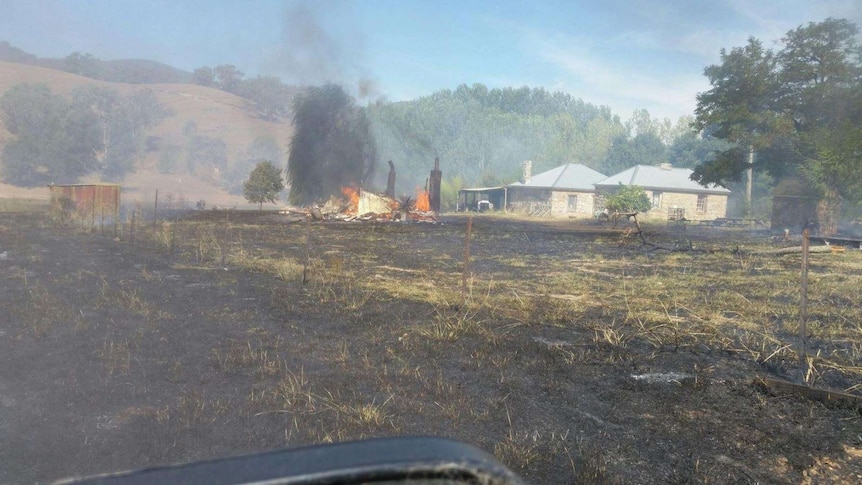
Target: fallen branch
column 833, row 398
column 688, row 248
column 796, row 250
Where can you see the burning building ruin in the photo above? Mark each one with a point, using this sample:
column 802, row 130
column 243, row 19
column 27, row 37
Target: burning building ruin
column 357, row 203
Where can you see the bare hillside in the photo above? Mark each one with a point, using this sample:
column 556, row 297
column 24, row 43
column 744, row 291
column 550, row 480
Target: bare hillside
column 216, row 114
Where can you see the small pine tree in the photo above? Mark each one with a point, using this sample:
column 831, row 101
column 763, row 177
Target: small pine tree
column 263, row 184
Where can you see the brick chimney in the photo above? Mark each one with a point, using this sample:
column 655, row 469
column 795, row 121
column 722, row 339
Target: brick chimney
column 528, row 170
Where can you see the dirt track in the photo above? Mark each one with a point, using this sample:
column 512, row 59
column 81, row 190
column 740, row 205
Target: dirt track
column 118, row 356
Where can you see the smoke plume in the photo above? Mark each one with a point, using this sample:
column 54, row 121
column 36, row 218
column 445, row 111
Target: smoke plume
column 332, row 145
column 321, row 45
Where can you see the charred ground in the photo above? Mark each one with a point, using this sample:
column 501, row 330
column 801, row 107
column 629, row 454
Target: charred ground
column 199, row 340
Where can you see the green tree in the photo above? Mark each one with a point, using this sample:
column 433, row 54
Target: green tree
column 262, row 148
column 204, row 76
column 628, row 198
column 59, row 140
column 271, row 97
column 10, row 53
column 449, row 188
column 643, row 149
column 83, row 65
column 168, row 158
column 205, row 154
column 642, row 123
column 690, row 149
column 263, row 184
column 121, row 124
column 51, row 142
column 799, row 109
column 739, row 109
column 332, row 145
column 228, row 78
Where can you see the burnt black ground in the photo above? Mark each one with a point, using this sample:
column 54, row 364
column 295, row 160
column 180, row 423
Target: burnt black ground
column 93, row 382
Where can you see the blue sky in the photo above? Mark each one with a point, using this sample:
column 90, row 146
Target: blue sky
column 623, row 54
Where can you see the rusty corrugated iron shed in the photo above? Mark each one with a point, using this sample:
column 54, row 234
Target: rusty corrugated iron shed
column 86, row 202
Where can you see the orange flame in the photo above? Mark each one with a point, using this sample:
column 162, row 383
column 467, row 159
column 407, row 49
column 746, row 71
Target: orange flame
column 423, row 203
column 352, row 194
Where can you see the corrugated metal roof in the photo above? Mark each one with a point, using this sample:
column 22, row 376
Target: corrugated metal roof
column 652, row 177
column 482, row 189
column 97, row 184
column 571, row 176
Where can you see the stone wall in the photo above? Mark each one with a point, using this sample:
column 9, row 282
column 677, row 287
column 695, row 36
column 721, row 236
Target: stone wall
column 555, row 203
column 716, row 205
column 560, row 204
column 547, row 202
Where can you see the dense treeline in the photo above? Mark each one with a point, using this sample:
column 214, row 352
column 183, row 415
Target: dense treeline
column 59, row 139
column 272, row 98
column 483, row 135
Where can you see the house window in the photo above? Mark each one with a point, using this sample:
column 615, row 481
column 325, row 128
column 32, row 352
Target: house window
column 701, row 203
column 573, row 203
column 656, row 200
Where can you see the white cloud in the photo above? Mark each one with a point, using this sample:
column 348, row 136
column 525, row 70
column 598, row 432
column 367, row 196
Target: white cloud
column 611, row 69
column 615, row 81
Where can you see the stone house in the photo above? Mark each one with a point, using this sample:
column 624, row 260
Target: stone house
column 671, row 191
column 563, row 191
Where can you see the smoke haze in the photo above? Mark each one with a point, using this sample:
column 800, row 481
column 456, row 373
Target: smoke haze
column 321, row 45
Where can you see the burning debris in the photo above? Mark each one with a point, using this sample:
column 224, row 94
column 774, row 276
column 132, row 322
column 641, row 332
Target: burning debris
column 355, row 203
column 362, row 205
column 423, row 201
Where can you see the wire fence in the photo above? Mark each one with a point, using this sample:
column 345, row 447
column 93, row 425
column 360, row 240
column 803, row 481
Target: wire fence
column 152, row 223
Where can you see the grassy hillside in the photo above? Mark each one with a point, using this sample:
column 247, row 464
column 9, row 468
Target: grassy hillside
column 135, row 71
column 217, row 114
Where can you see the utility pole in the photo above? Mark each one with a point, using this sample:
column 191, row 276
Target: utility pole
column 749, row 182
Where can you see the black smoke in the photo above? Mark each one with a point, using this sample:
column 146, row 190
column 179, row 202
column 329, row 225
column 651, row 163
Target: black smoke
column 321, row 44
column 332, row 145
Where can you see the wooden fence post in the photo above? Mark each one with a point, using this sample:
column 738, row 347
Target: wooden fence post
column 156, row 213
column 171, row 242
column 225, row 238
column 803, row 305
column 132, row 228
column 466, row 258
column 307, row 250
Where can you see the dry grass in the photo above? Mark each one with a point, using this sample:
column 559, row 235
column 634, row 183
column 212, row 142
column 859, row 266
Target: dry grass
column 39, row 311
column 257, row 359
column 24, row 205
column 450, row 323
column 116, row 357
column 743, row 304
column 191, row 409
column 617, row 306
column 380, row 340
column 285, row 269
column 131, row 300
